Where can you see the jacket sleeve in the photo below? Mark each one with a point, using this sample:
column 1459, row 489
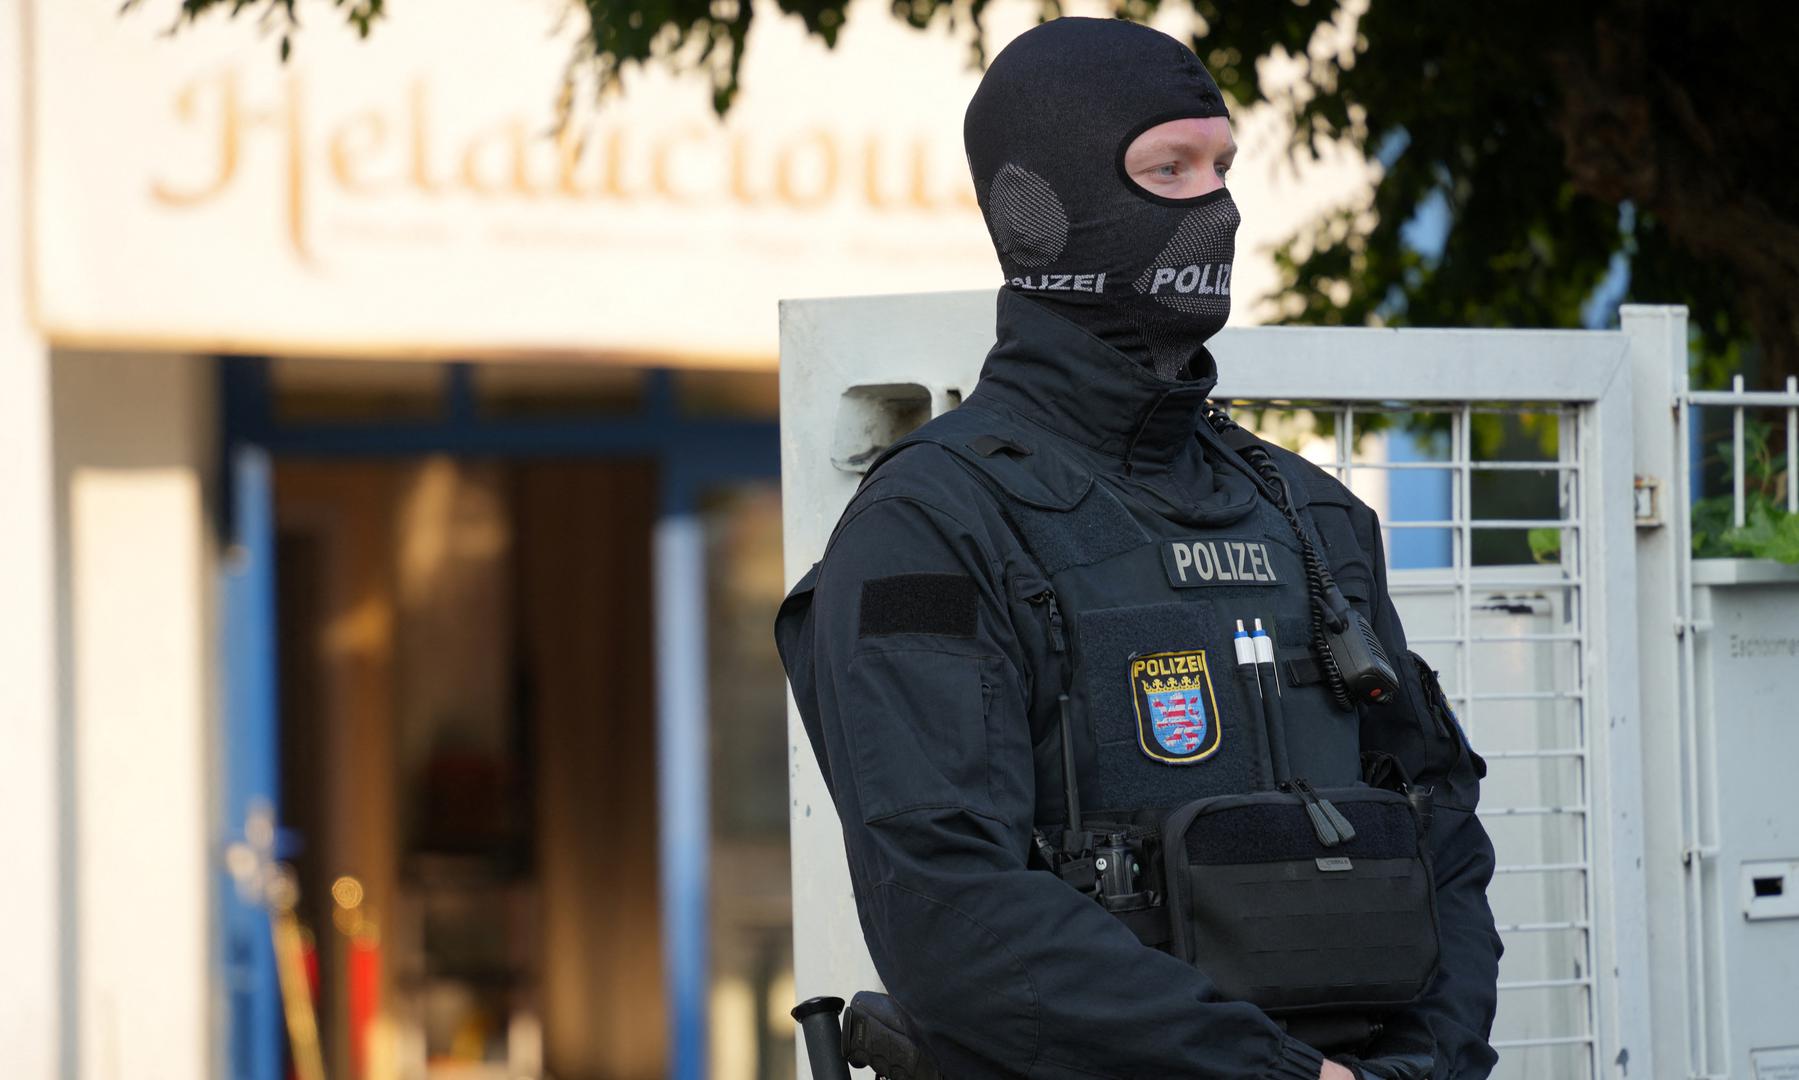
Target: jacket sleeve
column 1446, row 1034
column 921, row 690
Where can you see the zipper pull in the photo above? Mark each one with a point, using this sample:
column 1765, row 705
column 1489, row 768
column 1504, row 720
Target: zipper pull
column 1327, row 821
column 1344, row 828
column 1339, row 824
column 1048, row 598
column 1327, row 833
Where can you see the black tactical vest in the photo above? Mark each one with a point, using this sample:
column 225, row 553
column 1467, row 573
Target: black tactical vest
column 1147, row 608
column 1258, row 875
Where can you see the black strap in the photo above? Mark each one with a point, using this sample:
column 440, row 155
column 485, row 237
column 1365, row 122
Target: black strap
column 1149, row 924
column 1332, row 1033
column 1304, row 671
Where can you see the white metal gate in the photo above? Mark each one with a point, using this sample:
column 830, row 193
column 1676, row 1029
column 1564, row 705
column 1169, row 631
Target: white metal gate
column 1539, row 658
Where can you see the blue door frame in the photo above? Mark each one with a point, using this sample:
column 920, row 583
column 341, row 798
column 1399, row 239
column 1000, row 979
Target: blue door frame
column 693, row 456
column 250, row 787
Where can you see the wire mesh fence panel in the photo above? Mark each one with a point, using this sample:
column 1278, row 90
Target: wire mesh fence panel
column 1493, row 595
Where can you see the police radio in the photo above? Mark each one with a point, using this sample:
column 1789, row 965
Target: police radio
column 1354, row 664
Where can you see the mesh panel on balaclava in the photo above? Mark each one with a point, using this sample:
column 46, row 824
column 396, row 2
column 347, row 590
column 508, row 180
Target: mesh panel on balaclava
column 1046, row 135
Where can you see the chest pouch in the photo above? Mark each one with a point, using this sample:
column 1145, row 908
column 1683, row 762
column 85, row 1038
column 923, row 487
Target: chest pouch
column 1303, row 901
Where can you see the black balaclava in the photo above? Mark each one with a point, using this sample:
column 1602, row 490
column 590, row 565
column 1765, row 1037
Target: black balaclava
column 1046, row 135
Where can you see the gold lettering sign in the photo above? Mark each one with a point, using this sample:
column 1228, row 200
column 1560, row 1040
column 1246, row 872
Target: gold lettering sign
column 404, row 148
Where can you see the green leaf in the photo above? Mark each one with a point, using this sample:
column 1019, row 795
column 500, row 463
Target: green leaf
column 1546, row 545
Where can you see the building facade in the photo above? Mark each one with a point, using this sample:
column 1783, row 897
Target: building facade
column 389, row 528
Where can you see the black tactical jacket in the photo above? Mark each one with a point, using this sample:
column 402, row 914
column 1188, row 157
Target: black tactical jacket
column 927, row 672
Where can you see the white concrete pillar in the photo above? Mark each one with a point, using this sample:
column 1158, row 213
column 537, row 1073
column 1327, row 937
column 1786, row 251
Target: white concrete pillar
column 134, row 448
column 30, row 983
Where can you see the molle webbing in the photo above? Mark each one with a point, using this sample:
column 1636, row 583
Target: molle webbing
column 1095, row 530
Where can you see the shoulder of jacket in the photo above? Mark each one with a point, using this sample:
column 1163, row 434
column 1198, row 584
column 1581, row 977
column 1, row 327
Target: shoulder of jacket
column 921, row 471
column 1003, row 456
column 1318, row 484
column 921, row 485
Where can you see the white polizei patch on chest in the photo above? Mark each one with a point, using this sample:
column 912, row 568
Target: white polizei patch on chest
column 1219, row 562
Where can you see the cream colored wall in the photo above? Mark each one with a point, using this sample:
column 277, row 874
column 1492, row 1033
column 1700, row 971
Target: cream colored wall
column 133, row 439
column 29, row 789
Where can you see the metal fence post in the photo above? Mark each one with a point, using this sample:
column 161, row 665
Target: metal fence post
column 1658, row 353
column 1616, row 740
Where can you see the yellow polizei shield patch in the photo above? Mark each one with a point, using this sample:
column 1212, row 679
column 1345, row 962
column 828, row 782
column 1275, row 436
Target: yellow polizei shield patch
column 1177, row 713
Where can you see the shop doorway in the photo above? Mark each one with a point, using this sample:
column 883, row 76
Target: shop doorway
column 521, row 750
column 467, row 752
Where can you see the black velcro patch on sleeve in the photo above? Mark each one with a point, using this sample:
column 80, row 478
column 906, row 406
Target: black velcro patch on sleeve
column 941, row 604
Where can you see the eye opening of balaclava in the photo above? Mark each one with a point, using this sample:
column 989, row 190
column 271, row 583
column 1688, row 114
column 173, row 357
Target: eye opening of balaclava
column 1124, row 150
column 1046, row 137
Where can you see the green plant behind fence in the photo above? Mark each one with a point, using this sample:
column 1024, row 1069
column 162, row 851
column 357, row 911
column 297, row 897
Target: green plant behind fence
column 1769, row 531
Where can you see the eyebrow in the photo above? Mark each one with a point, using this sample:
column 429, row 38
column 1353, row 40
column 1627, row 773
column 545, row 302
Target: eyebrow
column 1166, row 146
column 1158, row 148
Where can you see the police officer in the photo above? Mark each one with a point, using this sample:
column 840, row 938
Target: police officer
column 1085, row 840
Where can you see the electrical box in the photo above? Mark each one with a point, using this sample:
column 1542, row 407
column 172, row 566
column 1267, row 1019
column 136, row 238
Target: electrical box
column 1747, row 938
